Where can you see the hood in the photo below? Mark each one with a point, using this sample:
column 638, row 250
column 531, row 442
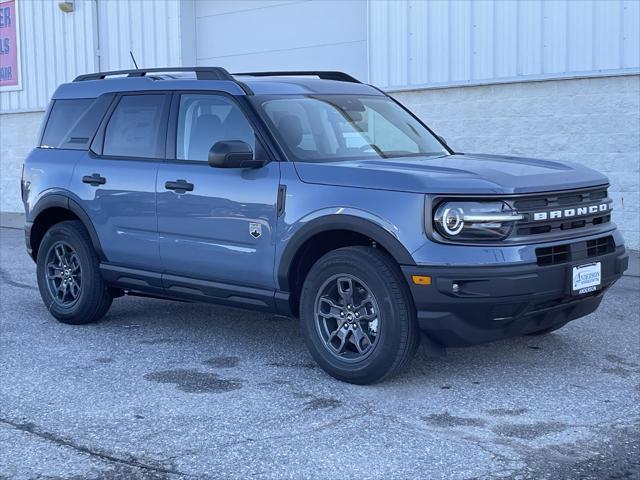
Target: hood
column 454, row 174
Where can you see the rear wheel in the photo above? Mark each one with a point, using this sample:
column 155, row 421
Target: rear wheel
column 357, row 315
column 68, row 275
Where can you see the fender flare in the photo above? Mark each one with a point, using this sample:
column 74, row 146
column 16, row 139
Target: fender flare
column 340, row 222
column 60, row 200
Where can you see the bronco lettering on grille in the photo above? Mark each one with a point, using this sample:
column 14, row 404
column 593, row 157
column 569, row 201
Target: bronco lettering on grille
column 572, row 212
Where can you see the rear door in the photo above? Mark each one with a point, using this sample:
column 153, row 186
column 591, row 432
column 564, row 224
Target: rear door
column 220, row 226
column 116, row 180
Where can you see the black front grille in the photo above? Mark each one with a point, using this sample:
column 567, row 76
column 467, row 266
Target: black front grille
column 553, row 255
column 569, row 252
column 570, row 206
column 600, row 246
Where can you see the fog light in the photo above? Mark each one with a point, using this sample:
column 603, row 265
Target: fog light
column 455, row 288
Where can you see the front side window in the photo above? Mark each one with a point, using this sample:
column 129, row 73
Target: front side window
column 204, row 120
column 137, row 127
column 324, row 128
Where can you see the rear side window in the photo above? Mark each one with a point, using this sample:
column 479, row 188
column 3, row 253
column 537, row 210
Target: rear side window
column 64, row 115
column 137, row 127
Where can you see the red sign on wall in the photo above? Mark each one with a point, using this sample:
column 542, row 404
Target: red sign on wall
column 9, row 48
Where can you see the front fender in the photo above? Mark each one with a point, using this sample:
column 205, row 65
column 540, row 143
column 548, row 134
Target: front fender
column 359, row 221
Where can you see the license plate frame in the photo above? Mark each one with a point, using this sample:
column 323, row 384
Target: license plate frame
column 586, row 278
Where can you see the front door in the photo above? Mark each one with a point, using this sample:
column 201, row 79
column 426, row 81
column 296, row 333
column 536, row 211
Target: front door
column 216, row 225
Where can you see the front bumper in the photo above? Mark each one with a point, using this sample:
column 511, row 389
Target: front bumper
column 494, row 302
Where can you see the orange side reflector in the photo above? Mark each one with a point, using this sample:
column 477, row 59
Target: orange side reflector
column 421, row 279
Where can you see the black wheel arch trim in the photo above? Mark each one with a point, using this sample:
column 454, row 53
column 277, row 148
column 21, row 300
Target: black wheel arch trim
column 340, row 222
column 59, row 200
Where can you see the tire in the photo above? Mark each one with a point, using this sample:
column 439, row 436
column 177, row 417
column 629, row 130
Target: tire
column 392, row 337
column 67, row 254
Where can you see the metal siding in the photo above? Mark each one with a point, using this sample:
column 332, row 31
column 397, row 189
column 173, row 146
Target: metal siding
column 281, row 35
column 378, row 43
column 482, row 39
column 150, row 30
column 505, row 30
column 416, row 43
column 52, row 47
column 630, row 33
column 554, row 35
column 460, row 45
column 56, row 46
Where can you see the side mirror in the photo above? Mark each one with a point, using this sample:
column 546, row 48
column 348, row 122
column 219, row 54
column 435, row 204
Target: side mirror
column 233, row 154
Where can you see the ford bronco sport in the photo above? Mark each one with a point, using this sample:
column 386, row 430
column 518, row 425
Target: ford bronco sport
column 313, row 195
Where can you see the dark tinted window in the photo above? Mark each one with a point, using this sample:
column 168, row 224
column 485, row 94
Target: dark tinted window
column 64, row 115
column 206, row 119
column 137, row 127
column 82, row 132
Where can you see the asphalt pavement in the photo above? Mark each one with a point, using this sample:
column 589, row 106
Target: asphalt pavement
column 164, row 390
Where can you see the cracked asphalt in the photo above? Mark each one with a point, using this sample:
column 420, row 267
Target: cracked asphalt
column 162, row 390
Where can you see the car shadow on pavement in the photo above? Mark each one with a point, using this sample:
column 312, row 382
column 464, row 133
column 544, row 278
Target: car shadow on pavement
column 209, row 331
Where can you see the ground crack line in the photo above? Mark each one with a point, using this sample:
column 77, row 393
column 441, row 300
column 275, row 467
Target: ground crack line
column 6, row 278
column 33, row 429
column 318, row 428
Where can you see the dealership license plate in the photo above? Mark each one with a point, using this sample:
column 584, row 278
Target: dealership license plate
column 586, row 278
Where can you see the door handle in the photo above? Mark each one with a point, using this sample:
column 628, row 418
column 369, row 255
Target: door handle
column 94, row 179
column 179, row 186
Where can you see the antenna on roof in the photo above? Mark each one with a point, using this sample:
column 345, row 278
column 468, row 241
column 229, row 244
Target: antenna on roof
column 134, row 60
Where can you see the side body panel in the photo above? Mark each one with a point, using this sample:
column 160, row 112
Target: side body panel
column 207, row 233
column 396, row 215
column 123, row 210
column 46, row 172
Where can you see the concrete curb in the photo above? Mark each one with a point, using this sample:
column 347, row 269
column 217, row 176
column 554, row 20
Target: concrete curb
column 16, row 221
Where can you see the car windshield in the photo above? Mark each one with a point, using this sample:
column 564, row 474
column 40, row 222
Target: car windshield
column 327, row 128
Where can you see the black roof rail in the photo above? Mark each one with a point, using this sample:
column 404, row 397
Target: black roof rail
column 202, row 73
column 324, row 75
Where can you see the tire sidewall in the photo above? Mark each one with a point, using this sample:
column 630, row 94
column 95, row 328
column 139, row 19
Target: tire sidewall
column 391, row 312
column 67, row 233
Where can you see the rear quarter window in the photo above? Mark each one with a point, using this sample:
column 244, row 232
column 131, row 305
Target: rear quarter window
column 63, row 117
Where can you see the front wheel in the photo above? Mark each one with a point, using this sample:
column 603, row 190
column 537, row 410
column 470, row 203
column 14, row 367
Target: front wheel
column 68, row 275
column 357, row 315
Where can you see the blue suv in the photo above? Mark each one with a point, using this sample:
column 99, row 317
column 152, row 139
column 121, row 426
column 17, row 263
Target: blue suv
column 312, row 195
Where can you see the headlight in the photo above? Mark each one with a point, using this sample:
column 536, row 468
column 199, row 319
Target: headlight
column 469, row 221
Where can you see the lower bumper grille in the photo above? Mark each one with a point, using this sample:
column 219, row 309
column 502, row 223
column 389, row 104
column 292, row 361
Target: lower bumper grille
column 569, row 252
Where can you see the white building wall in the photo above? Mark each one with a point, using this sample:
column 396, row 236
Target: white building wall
column 57, row 46
column 251, row 35
column 98, row 35
column 18, row 133
column 436, row 43
column 148, row 29
column 54, row 47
